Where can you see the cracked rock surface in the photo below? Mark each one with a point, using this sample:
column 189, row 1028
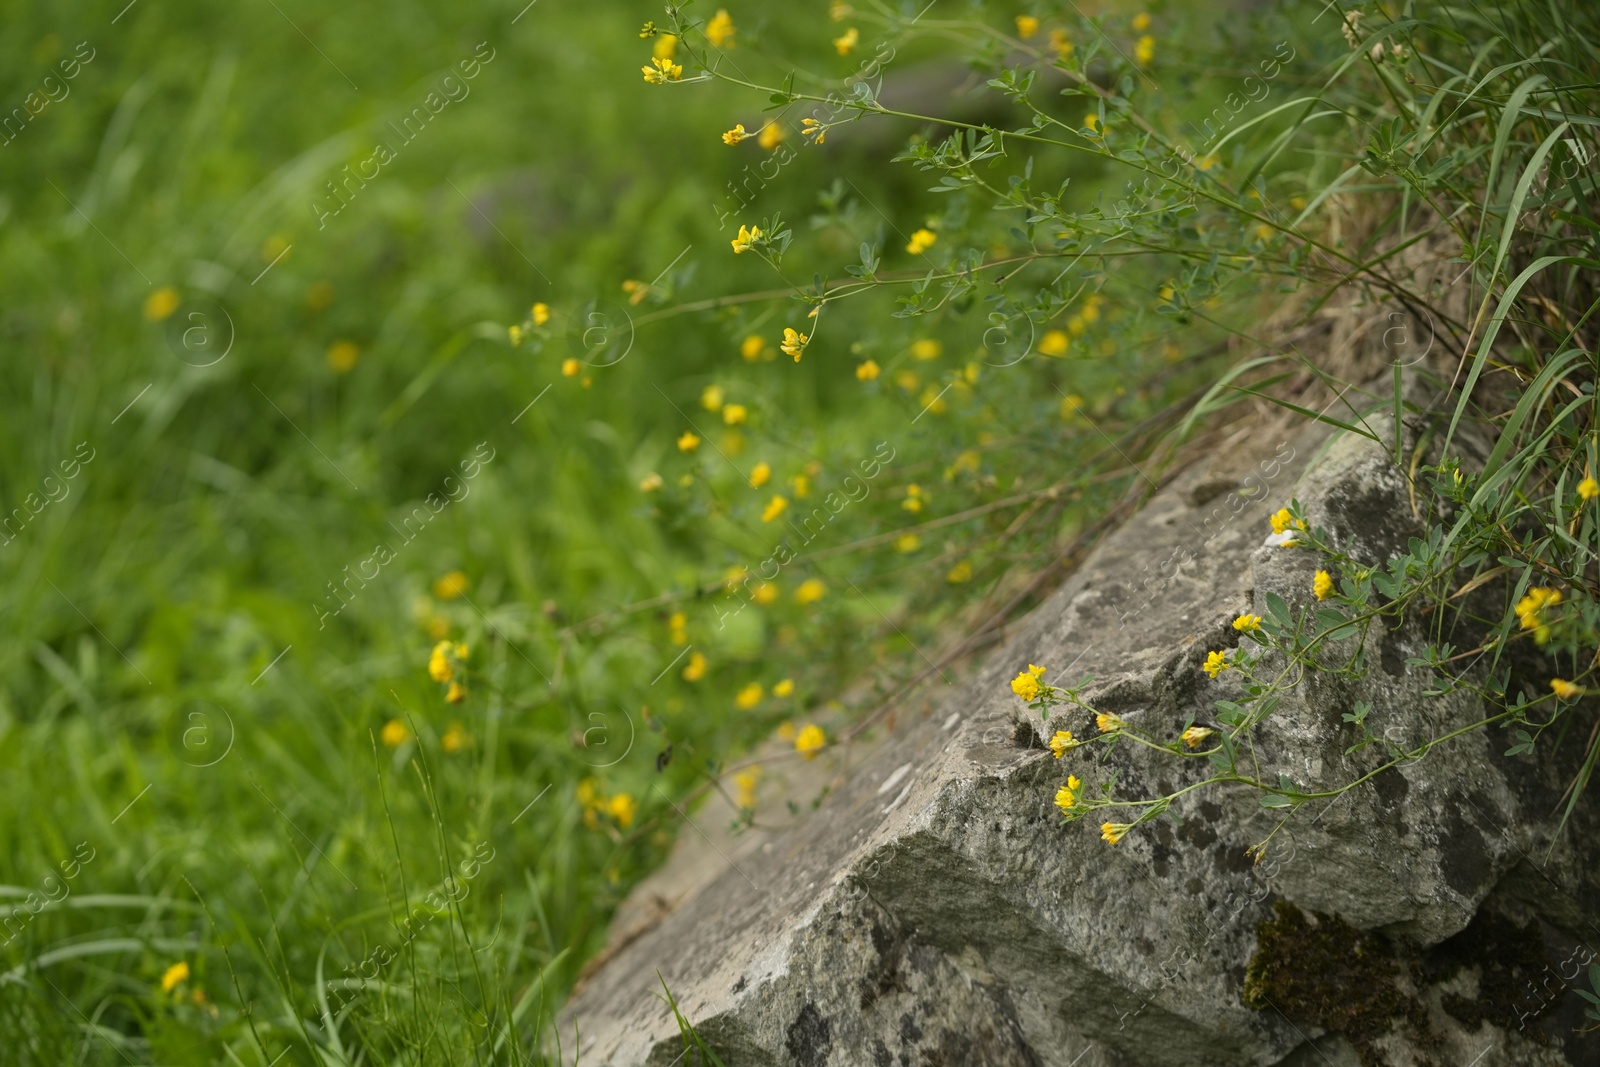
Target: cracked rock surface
column 936, row 910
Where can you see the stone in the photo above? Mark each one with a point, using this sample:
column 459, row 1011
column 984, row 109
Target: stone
column 936, row 908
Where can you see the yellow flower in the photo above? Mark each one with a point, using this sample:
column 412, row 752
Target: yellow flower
column 1282, row 520
column 451, row 585
column 961, row 572
column 1216, row 663
column 745, row 786
column 734, row 414
column 813, row 128
column 913, row 500
column 571, row 367
column 178, row 972
column 926, row 348
column 622, row 808
column 802, row 486
column 395, row 733
column 1060, row 43
column 1067, row 795
column 1322, row 584
column 650, row 482
column 838, row 10
column 867, row 371
column 161, row 303
column 1037, row 672
column 1144, row 50
column 455, row 738
column 809, row 740
column 811, row 590
column 1565, row 690
column 689, row 441
column 515, row 335
column 678, row 624
column 845, row 45
column 765, row 593
column 907, row 543
column 771, row 136
column 720, row 30
column 666, row 46
column 1091, row 122
column 1141, row 22
column 319, row 296
column 1111, row 832
column 711, row 398
column 1194, row 735
column 735, row 135
column 1027, row 26
column 1529, row 611
column 1070, row 404
column 774, row 508
column 1108, row 723
column 1588, row 489
column 1062, row 743
column 747, row 237
column 749, row 696
column 932, row 401
column 760, row 474
column 665, row 71
column 783, row 688
column 921, row 241
column 1054, row 343
column 541, row 314
column 342, row 356
column 1247, row 622
column 1026, row 685
column 794, row 343
column 456, row 693
column 695, row 669
column 786, row 731
column 439, row 668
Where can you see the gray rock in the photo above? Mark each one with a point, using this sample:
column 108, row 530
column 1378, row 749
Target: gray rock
column 937, row 910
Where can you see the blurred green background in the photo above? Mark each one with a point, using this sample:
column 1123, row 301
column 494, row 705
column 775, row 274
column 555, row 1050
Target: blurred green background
column 265, row 788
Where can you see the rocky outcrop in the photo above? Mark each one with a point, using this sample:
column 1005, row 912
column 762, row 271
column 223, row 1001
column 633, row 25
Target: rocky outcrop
column 935, row 909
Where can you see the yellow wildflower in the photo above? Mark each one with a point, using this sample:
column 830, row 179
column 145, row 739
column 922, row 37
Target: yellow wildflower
column 933, row 401
column 1062, row 743
column 794, row 343
column 771, row 136
column 1565, row 690
column 867, row 371
column 665, row 71
column 319, row 296
column 907, row 543
column 786, row 731
column 1067, row 795
column 1060, row 43
column 783, row 688
column 745, row 786
column 1026, row 685
column 846, row 44
column 801, row 485
column 1588, row 489
column 455, row 738
column 961, row 572
column 449, row 586
column 752, row 347
column 1247, row 622
column 1054, row 343
column 689, row 441
column 1144, row 50
column 514, row 333
column 747, row 237
column 735, row 135
column 760, row 474
column 720, row 30
column 571, row 367
column 1108, row 723
column 1111, row 832
column 1070, row 404
column 1282, row 520
column 1194, row 735
column 678, row 625
column 1141, row 22
column 1091, row 122
column 439, row 668
column 456, row 693
column 913, row 500
column 921, row 241
column 711, row 398
column 1027, row 26
column 541, row 314
column 809, row 740
column 622, row 808
column 926, row 348
column 1216, row 663
column 666, row 46
column 765, row 593
column 342, row 356
column 811, row 590
column 774, row 508
column 161, row 304
column 395, row 733
column 734, row 414
column 1322, row 584
column 695, row 669
column 178, row 972
column 1530, row 611
column 650, row 482
column 749, row 696
column 838, row 10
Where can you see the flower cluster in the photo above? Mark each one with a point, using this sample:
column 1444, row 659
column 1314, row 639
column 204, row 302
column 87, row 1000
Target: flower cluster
column 1532, row 612
column 444, row 663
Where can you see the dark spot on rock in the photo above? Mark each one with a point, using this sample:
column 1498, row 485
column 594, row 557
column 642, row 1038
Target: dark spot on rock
column 810, row 1037
column 1391, row 655
column 1233, row 860
column 1392, row 787
column 738, row 987
column 1210, row 810
column 1023, row 735
column 880, row 1055
column 1197, row 833
column 1464, row 855
column 1510, row 960
column 1144, row 946
column 1193, row 887
column 910, row 1032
